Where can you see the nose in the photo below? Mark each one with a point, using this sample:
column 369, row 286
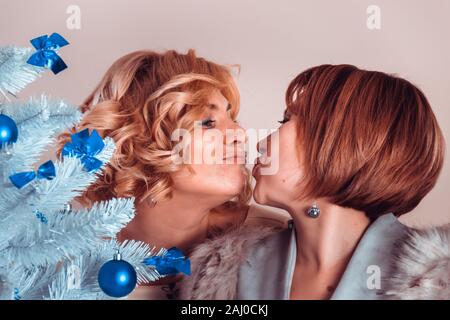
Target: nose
column 238, row 134
column 235, row 142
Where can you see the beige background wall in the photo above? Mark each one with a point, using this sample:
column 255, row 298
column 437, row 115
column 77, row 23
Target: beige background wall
column 271, row 40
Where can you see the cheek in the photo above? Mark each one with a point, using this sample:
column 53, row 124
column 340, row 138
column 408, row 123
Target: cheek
column 282, row 185
column 289, row 173
column 206, row 147
column 209, row 177
column 277, row 187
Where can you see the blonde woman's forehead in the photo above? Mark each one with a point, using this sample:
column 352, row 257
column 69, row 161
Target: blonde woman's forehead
column 217, row 101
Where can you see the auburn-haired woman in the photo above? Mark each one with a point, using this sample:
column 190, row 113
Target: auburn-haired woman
column 142, row 100
column 356, row 149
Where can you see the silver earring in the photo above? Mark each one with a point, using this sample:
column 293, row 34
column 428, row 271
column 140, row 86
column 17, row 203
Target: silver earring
column 314, row 211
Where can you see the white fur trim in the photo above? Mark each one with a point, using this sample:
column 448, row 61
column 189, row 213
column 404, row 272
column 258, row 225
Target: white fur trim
column 421, row 266
column 215, row 263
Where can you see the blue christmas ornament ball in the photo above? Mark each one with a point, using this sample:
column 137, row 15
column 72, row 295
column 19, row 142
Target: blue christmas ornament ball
column 8, row 130
column 117, row 278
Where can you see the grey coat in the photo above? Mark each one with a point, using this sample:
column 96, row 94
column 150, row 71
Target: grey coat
column 391, row 261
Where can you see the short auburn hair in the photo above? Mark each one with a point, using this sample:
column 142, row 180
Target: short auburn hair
column 368, row 140
column 142, row 98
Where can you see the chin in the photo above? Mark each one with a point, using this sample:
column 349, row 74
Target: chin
column 259, row 196
column 239, row 187
column 232, row 188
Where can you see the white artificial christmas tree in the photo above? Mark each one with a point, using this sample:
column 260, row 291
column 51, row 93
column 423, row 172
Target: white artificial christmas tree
column 47, row 249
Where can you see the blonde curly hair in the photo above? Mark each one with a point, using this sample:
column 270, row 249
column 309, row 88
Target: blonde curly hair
column 141, row 100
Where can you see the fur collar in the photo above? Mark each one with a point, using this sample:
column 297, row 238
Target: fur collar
column 420, row 265
column 215, row 263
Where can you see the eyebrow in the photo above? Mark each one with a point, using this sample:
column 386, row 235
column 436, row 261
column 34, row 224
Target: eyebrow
column 215, row 107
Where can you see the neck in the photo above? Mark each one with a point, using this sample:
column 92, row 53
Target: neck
column 179, row 222
column 329, row 240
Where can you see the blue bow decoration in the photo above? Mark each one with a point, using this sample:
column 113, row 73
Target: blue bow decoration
column 171, row 263
column 46, row 56
column 41, row 216
column 45, row 171
column 85, row 147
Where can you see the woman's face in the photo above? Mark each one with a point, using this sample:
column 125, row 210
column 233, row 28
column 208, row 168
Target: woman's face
column 278, row 188
column 217, row 155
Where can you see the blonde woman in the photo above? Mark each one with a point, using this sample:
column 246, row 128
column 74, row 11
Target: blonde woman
column 141, row 101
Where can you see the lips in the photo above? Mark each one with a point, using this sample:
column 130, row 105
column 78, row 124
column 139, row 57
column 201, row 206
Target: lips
column 236, row 160
column 238, row 155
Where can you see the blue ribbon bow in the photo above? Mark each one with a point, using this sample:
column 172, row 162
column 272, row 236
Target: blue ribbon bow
column 45, row 171
column 85, row 147
column 46, row 56
column 41, row 216
column 171, row 263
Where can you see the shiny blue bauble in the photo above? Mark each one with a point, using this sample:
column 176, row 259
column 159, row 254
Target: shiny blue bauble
column 8, row 130
column 117, row 278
